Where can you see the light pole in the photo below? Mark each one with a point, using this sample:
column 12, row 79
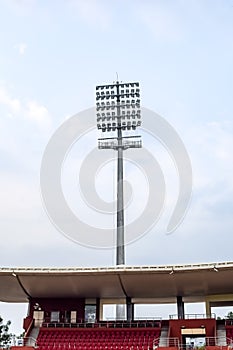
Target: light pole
column 118, row 110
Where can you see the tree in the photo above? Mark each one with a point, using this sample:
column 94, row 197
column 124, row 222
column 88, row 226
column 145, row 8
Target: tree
column 5, row 336
column 230, row 315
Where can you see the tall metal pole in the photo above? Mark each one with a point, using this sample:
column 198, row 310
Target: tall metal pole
column 119, row 101
column 120, row 253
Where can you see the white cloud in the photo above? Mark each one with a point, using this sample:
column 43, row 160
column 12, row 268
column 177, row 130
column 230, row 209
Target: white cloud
column 92, row 12
column 13, row 104
column 38, row 114
column 162, row 21
column 210, row 149
column 21, row 48
column 21, row 7
column 30, row 110
column 24, row 3
column 19, row 199
column 212, row 154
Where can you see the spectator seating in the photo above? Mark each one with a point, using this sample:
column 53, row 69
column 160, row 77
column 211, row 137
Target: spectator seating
column 98, row 339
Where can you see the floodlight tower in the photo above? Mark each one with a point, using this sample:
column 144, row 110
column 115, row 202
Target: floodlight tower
column 117, row 110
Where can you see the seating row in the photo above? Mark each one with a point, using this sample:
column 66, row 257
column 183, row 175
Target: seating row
column 98, row 340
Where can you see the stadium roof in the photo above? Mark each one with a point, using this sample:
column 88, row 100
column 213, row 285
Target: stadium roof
column 161, row 283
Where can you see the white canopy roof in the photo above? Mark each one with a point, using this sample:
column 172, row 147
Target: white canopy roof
column 161, row 283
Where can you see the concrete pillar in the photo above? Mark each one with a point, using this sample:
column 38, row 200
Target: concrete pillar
column 180, row 307
column 97, row 309
column 208, row 308
column 100, row 310
column 129, row 309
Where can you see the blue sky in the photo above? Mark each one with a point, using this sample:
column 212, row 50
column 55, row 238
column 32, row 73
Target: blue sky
column 54, row 53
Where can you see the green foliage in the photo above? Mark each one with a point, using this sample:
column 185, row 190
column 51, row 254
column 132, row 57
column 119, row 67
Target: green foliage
column 5, row 336
column 201, row 347
column 230, row 315
column 21, row 335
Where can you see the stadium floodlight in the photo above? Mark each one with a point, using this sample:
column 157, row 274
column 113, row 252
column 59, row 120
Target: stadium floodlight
column 118, row 110
column 118, row 106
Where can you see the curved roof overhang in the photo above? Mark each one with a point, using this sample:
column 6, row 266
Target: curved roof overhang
column 162, row 283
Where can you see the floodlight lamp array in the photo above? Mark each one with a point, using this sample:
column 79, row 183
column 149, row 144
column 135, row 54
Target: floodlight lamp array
column 122, row 111
column 124, row 125
column 115, row 90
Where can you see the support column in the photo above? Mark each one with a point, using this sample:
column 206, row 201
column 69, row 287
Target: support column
column 97, row 309
column 129, row 309
column 208, row 308
column 180, row 307
column 101, row 310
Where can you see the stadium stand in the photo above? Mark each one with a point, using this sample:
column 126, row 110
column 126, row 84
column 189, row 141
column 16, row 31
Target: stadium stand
column 98, row 338
column 65, row 306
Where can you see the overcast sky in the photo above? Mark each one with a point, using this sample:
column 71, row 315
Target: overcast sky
column 52, row 55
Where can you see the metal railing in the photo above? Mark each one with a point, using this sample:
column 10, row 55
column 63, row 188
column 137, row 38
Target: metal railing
column 219, row 341
column 229, row 322
column 114, row 145
column 192, row 316
column 166, row 342
column 106, row 324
